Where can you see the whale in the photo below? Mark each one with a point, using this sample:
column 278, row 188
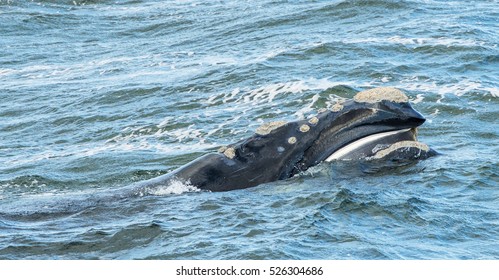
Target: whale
column 376, row 124
column 375, row 130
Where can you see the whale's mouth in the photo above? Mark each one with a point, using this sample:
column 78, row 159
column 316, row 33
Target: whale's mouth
column 379, row 145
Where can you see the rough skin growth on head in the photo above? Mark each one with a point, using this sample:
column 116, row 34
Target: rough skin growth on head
column 402, row 144
column 313, row 120
column 266, row 128
column 230, row 153
column 379, row 94
column 337, row 107
column 304, row 128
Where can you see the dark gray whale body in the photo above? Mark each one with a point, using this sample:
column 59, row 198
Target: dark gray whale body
column 377, row 124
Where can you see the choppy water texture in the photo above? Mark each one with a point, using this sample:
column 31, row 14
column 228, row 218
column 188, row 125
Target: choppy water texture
column 96, row 95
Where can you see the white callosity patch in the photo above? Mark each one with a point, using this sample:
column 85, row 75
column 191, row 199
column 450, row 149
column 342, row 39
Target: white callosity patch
column 230, row 153
column 304, row 128
column 266, row 128
column 379, row 94
column 292, row 140
column 222, row 149
column 337, row 107
column 400, row 145
column 313, row 120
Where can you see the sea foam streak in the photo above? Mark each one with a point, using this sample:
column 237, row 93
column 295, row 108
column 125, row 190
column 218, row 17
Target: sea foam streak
column 173, row 187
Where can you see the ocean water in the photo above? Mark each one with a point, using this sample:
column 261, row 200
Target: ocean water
column 97, row 95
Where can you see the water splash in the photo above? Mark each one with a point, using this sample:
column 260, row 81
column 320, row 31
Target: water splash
column 173, row 187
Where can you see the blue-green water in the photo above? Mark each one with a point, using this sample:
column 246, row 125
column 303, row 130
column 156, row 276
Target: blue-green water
column 96, row 95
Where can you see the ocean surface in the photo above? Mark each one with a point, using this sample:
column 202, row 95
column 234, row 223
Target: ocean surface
column 98, row 95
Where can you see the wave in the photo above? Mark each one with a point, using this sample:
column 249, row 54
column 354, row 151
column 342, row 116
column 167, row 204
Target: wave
column 460, row 88
column 61, row 203
column 420, row 41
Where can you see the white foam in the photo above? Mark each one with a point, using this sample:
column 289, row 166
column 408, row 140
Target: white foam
column 418, row 99
column 48, row 74
column 493, row 91
column 150, row 133
column 173, row 187
column 460, row 88
column 6, row 72
column 308, row 108
column 117, row 59
column 244, row 101
column 271, row 54
column 232, row 95
column 165, row 122
column 214, row 60
column 229, row 60
column 34, row 72
column 143, row 144
column 25, row 185
column 420, row 41
column 268, row 93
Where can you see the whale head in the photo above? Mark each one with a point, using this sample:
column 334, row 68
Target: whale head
column 374, row 119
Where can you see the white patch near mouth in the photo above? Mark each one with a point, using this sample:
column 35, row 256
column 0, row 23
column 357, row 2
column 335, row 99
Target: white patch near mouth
column 361, row 142
column 399, row 145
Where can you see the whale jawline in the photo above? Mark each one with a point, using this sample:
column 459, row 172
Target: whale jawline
column 370, row 141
